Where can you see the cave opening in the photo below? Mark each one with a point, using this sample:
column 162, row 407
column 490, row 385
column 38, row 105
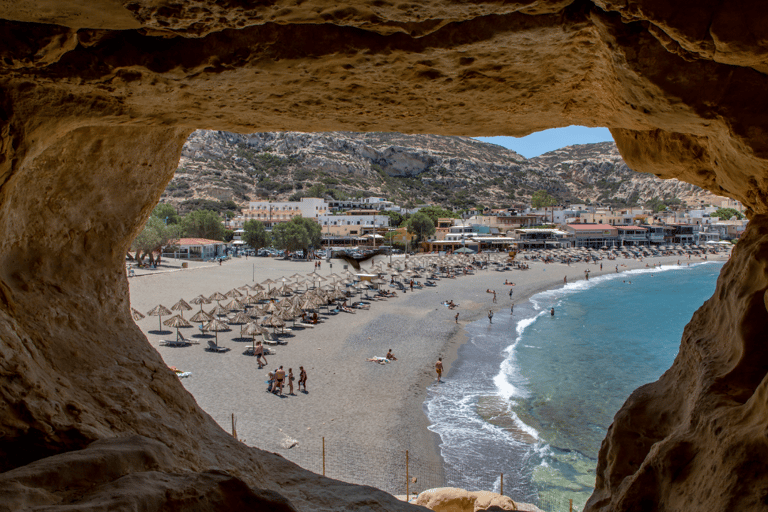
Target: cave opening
column 96, row 107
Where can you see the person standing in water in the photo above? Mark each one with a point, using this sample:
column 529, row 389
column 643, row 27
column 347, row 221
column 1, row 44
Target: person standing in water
column 439, row 368
column 490, row 316
column 552, row 312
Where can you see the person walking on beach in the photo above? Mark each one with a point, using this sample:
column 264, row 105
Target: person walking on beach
column 490, row 316
column 302, row 378
column 494, row 296
column 510, row 293
column 291, row 378
column 565, row 279
column 456, row 317
column 259, row 353
column 279, row 378
column 512, row 309
column 439, row 368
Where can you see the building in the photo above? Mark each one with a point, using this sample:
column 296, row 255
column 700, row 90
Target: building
column 593, row 235
column 633, row 235
column 195, row 249
column 369, row 203
column 347, row 225
column 542, row 238
column 273, row 212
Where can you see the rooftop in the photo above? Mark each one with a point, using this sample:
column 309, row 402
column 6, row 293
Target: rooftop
column 590, row 227
column 198, row 241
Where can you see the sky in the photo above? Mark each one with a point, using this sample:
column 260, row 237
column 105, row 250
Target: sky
column 542, row 142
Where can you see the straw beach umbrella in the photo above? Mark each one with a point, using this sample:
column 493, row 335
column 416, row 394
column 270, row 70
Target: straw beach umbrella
column 201, row 317
column 216, row 325
column 252, row 329
column 177, row 321
column 137, row 315
column 240, row 318
column 159, row 311
column 200, row 299
column 181, row 307
column 217, row 297
column 233, row 305
column 233, row 293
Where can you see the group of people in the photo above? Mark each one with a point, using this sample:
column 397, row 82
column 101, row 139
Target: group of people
column 276, row 380
column 383, row 360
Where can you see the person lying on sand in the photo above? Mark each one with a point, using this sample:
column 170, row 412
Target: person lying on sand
column 380, row 360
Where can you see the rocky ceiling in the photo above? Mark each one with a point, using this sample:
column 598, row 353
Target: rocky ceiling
column 97, row 97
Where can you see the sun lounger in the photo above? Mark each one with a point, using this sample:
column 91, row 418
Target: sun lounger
column 212, row 347
column 175, row 343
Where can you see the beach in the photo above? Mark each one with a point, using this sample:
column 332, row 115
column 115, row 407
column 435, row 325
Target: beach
column 368, row 414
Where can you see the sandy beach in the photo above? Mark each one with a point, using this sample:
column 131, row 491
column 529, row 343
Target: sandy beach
column 368, row 413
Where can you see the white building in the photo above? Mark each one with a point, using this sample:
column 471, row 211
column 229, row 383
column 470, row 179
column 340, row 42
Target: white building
column 272, row 212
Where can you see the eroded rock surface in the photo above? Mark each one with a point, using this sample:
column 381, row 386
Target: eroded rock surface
column 96, row 99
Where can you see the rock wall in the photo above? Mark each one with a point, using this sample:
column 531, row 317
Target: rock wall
column 97, row 97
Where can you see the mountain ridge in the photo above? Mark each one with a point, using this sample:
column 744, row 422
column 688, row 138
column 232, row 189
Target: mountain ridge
column 454, row 172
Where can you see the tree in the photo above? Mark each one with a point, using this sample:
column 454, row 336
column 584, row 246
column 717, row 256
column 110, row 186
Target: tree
column 436, row 212
column 726, row 214
column 167, row 213
column 255, row 234
column 228, row 235
column 395, row 219
column 155, row 235
column 420, row 224
column 298, row 234
column 203, row 224
column 542, row 199
column 291, row 236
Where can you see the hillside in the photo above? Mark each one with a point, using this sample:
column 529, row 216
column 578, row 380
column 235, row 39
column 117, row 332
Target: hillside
column 408, row 169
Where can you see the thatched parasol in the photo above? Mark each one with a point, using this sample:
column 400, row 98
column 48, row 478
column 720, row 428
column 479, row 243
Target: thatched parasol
column 159, row 311
column 177, row 321
column 201, row 317
column 252, row 329
column 240, row 318
column 217, row 297
column 219, row 311
column 137, row 315
column 216, row 325
column 233, row 293
column 200, row 299
column 181, row 307
column 233, row 305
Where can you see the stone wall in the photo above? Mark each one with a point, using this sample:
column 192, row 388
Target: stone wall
column 97, row 97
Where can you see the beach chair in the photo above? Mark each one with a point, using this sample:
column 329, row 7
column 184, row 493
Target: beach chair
column 270, row 338
column 212, row 347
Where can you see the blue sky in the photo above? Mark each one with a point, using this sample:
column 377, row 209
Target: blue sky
column 539, row 143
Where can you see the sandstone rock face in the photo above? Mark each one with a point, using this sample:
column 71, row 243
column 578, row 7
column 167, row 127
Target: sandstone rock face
column 96, row 99
column 450, row 499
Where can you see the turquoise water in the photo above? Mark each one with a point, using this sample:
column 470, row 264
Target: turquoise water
column 532, row 395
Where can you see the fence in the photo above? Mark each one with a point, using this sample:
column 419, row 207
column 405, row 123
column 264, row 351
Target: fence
column 403, row 474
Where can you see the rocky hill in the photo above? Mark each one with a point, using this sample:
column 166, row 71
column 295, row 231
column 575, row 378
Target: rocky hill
column 408, row 169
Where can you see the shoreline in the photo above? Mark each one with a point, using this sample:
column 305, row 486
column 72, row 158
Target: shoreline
column 364, row 411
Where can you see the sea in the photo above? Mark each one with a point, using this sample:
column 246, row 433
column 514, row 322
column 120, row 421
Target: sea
column 531, row 396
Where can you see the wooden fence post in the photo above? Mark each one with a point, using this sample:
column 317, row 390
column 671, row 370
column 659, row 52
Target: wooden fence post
column 323, row 456
column 570, row 505
column 502, row 484
column 407, row 479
